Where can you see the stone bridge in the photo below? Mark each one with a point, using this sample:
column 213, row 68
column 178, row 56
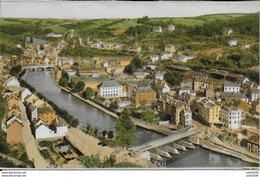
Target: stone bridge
column 165, row 140
column 40, row 66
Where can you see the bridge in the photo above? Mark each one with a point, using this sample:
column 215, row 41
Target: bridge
column 40, row 66
column 163, row 141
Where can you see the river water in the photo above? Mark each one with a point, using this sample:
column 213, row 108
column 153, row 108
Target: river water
column 42, row 81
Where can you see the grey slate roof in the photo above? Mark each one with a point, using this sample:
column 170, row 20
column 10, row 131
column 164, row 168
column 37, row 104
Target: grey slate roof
column 231, row 84
column 112, row 83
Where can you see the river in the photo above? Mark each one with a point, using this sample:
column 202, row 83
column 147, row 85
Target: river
column 42, row 81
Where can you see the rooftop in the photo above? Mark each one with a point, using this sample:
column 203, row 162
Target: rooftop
column 231, row 84
column 111, row 83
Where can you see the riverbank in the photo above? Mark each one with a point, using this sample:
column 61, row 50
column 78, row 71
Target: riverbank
column 223, row 150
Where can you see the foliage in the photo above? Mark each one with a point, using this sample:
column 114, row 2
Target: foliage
column 76, row 64
column 127, row 164
column 113, row 105
column 91, row 161
column 135, row 63
column 110, row 134
column 87, row 93
column 90, row 52
column 63, row 82
column 146, row 116
column 137, row 31
column 173, row 77
column 15, row 70
column 125, row 130
column 45, row 143
column 79, row 86
column 6, row 163
column 65, row 74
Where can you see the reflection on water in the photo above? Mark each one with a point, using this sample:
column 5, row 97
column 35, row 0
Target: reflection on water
column 86, row 114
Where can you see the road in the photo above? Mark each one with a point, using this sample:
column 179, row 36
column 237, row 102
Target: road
column 30, row 143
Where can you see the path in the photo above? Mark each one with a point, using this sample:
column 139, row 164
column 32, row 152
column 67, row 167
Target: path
column 30, row 143
column 87, row 144
column 151, row 126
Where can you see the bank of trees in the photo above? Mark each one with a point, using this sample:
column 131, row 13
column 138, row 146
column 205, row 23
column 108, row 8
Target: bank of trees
column 125, row 130
column 87, row 93
column 136, row 63
column 173, row 77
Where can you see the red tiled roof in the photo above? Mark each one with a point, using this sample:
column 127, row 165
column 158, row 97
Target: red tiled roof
column 254, row 139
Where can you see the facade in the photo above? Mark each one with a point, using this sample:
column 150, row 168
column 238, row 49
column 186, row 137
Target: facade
column 210, row 92
column 207, row 111
column 254, row 93
column 231, row 117
column 159, row 75
column 169, row 48
column 34, row 113
column 186, row 117
column 231, row 87
column 143, row 95
column 110, row 89
column 166, row 88
column 175, row 110
column 253, row 144
column 171, row 27
column 14, row 130
column 154, row 58
column 12, row 82
column 157, row 29
column 25, row 93
column 232, row 42
column 184, row 90
column 185, row 58
column 47, row 114
column 166, row 55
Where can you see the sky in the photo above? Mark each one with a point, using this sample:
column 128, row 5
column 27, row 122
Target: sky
column 121, row 9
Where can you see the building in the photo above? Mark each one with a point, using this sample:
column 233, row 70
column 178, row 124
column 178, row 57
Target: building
column 185, row 58
column 159, row 75
column 25, row 93
column 231, row 117
column 14, row 130
column 253, row 144
column 229, row 97
column 154, row 58
column 171, row 27
column 207, row 111
column 124, row 103
column 111, row 89
column 92, row 83
column 166, row 88
column 174, row 108
column 144, row 95
column 232, row 87
column 12, row 102
column 166, row 55
column 12, row 82
column 140, row 75
column 169, row 48
column 254, row 94
column 209, row 92
column 232, row 42
column 184, row 90
column 157, row 29
column 46, row 113
column 34, row 113
column 186, row 117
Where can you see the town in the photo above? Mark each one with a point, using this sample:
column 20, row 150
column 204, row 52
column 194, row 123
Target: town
column 193, row 94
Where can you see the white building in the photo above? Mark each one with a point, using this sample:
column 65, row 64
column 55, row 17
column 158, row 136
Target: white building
column 54, row 35
column 254, row 94
column 159, row 75
column 184, row 90
column 185, row 58
column 171, row 27
column 187, row 117
column 166, row 55
column 231, row 117
column 25, row 93
column 34, row 113
column 231, row 87
column 12, row 82
column 110, row 89
column 232, row 42
column 166, row 88
column 42, row 131
column 154, row 58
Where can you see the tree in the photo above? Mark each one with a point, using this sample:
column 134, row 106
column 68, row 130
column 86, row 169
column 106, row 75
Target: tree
column 79, row 86
column 65, row 74
column 104, row 133
column 15, row 70
column 76, row 64
column 113, row 106
column 110, row 134
column 125, row 130
column 91, row 161
column 129, row 69
column 63, row 82
column 137, row 62
column 87, row 93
